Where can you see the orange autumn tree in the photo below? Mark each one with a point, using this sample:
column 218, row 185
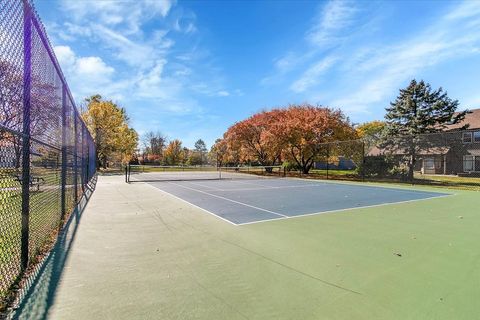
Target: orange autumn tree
column 298, row 133
column 251, row 140
column 304, row 130
column 174, row 153
column 218, row 153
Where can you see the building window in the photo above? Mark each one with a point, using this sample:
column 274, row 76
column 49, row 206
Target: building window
column 468, row 163
column 429, row 164
column 476, row 136
column 467, row 137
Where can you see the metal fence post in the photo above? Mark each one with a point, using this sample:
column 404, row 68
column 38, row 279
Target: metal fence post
column 75, row 164
column 83, row 179
column 328, row 156
column 64, row 151
column 27, row 59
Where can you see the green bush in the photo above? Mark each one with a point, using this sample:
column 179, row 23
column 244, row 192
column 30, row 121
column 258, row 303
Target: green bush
column 290, row 166
column 377, row 166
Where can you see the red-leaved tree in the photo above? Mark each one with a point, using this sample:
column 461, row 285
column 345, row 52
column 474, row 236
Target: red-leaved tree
column 304, row 131
column 298, row 133
column 251, row 140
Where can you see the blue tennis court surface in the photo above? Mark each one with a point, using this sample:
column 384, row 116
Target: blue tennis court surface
column 249, row 201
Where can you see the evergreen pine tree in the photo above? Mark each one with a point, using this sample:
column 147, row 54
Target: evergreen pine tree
column 201, row 148
column 418, row 110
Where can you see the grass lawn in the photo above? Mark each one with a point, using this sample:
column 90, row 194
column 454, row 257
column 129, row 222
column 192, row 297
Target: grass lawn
column 44, row 219
column 333, row 172
column 467, row 183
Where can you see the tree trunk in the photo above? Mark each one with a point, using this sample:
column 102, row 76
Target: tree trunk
column 411, row 167
column 306, row 168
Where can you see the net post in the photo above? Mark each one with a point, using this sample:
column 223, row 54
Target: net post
column 126, row 173
column 363, row 160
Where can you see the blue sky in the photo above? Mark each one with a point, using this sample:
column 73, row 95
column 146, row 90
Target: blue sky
column 190, row 69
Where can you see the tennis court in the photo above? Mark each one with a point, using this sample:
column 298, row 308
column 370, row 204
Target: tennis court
column 248, row 195
column 136, row 252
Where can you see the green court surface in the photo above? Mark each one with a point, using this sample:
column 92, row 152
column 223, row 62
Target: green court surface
column 139, row 253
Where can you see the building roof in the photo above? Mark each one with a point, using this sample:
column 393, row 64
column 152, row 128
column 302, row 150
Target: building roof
column 376, row 151
column 474, row 152
column 472, row 118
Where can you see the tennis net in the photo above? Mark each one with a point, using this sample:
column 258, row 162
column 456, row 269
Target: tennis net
column 149, row 173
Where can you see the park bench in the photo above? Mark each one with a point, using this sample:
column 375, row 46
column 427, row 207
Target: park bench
column 34, row 182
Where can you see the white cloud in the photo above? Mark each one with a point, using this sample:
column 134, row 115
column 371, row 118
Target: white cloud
column 134, row 60
column 93, row 65
column 238, row 92
column 223, row 93
column 185, row 23
column 313, row 75
column 135, row 53
column 385, row 69
column 87, row 75
column 118, row 27
column 334, row 18
column 328, row 30
column 65, row 55
column 130, row 14
column 287, row 62
column 94, row 68
column 466, row 10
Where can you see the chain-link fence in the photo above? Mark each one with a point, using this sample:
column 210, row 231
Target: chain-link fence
column 47, row 155
column 445, row 159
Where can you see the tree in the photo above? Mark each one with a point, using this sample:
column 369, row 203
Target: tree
column 45, row 109
column 297, row 133
column 371, row 129
column 304, row 131
column 251, row 140
column 418, row 110
column 173, row 154
column 128, row 142
column 218, row 152
column 108, row 124
column 185, row 156
column 201, row 148
column 154, row 143
column 11, row 107
column 195, row 158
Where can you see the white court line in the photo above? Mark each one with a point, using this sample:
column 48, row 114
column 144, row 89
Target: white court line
column 253, row 184
column 300, row 215
column 193, row 205
column 205, row 186
column 270, row 188
column 379, row 185
column 227, row 199
column 346, row 209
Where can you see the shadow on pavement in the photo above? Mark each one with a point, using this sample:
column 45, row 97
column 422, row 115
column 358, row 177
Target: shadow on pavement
column 40, row 293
